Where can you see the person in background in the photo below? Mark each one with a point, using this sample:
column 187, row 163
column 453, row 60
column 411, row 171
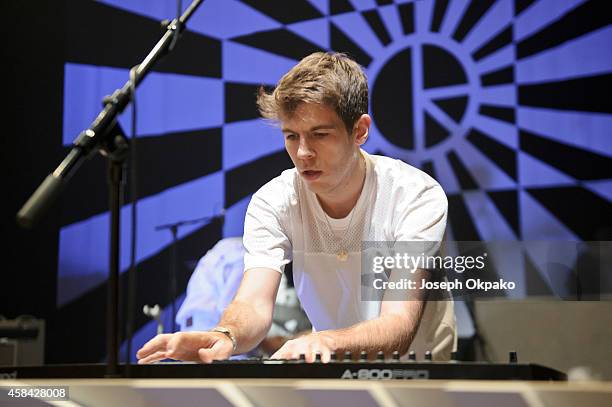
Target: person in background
column 214, row 284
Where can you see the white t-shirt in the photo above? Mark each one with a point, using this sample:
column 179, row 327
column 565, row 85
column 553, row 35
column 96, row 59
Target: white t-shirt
column 285, row 222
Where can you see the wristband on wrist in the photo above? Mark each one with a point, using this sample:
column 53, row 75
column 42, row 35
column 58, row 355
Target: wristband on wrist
column 225, row 331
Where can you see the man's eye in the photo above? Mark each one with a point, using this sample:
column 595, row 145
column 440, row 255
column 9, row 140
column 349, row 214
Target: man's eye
column 320, row 134
column 290, row 136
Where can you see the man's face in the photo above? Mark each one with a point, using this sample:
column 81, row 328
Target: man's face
column 320, row 147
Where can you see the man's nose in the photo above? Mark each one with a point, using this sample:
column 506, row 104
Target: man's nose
column 305, row 151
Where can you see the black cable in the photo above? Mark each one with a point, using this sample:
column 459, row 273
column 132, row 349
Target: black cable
column 131, row 291
column 177, row 33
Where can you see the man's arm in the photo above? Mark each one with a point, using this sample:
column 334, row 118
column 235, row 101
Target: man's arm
column 393, row 330
column 248, row 317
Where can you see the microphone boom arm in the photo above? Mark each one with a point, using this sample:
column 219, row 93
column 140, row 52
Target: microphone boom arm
column 98, row 135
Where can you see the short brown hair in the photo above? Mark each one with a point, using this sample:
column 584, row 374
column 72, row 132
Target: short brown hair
column 332, row 79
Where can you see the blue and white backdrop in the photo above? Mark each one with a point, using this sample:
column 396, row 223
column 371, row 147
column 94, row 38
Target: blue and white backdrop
column 506, row 103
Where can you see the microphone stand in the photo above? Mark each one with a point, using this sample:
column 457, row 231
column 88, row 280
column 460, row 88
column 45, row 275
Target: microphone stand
column 101, row 136
column 173, row 228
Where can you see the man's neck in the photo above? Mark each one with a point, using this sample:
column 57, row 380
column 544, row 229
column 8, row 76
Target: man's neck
column 338, row 204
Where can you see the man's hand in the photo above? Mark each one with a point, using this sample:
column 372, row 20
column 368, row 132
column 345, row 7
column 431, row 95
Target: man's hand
column 203, row 347
column 309, row 345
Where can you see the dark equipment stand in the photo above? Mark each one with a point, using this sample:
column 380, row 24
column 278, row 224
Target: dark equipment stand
column 173, row 228
column 101, row 137
column 116, row 168
column 172, row 275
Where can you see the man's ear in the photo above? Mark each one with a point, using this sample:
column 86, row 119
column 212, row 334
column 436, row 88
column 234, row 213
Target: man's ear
column 362, row 129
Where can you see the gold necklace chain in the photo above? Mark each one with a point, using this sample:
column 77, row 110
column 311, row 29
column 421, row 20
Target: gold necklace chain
column 343, row 253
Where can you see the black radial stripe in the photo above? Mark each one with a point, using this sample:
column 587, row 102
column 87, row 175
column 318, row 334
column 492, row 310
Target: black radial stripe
column 394, row 114
column 429, row 167
column 435, row 133
column 465, row 179
column 240, row 101
column 507, row 203
column 340, row 42
column 503, row 113
column 536, row 285
column 383, row 2
column 489, row 273
column 474, row 12
column 452, row 74
column 248, row 178
column 499, row 41
column 566, row 281
column 438, row 15
column 377, row 25
column 521, row 5
column 587, row 17
column 163, row 162
column 281, row 42
column 406, row 12
column 92, row 28
column 284, row 11
column 340, row 6
column 580, row 164
column 460, row 220
column 152, row 288
column 504, row 157
column 499, row 77
column 588, row 215
column 454, row 107
column 587, row 94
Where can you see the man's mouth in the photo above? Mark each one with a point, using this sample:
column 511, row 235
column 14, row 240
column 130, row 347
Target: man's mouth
column 311, row 175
